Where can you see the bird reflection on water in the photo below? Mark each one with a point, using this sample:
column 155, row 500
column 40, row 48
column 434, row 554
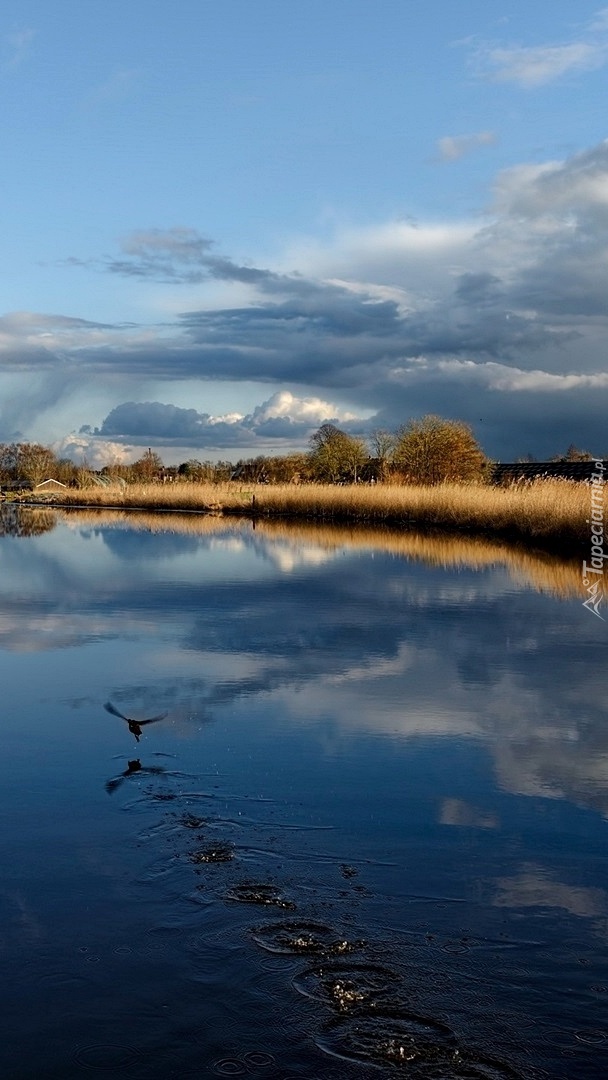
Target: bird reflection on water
column 135, row 726
column 134, row 766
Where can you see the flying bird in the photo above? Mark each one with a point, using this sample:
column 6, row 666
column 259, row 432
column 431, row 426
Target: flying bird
column 135, row 726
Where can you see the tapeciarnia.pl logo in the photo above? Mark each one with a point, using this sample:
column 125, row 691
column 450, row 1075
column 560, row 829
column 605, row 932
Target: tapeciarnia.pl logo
column 593, row 571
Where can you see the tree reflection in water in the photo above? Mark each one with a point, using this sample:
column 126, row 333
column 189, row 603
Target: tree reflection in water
column 25, row 521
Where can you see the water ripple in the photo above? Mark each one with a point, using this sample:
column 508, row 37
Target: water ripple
column 106, row 1056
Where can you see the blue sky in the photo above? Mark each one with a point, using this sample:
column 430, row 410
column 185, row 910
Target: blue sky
column 223, row 224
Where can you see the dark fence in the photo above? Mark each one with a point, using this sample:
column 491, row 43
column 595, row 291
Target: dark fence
column 508, row 472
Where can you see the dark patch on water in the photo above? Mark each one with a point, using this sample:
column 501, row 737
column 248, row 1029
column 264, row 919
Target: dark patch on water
column 192, row 821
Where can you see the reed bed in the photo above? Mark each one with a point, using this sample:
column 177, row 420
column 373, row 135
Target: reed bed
column 543, row 512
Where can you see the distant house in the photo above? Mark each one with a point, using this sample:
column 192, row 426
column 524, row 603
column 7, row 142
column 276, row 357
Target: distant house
column 17, row 485
column 50, row 485
column 510, row 472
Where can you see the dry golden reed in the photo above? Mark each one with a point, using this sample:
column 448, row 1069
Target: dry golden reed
column 543, row 512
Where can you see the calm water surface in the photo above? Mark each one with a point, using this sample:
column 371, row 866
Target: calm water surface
column 367, row 839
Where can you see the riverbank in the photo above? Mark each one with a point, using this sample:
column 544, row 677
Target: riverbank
column 546, row 513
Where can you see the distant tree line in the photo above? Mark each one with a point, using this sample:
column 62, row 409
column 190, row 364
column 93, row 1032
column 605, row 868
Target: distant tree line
column 429, row 450
column 573, row 453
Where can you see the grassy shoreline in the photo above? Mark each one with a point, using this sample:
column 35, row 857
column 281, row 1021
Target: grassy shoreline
column 545, row 513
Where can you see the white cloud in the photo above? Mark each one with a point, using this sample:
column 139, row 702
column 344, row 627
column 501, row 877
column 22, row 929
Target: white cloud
column 94, row 452
column 454, row 147
column 306, row 410
column 507, row 378
column 531, row 67
column 577, row 187
column 538, row 65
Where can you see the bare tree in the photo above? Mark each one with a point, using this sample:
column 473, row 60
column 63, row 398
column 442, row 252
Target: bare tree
column 383, row 444
column 336, row 456
column 147, row 468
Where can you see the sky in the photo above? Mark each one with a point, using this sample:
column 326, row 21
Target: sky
column 224, row 224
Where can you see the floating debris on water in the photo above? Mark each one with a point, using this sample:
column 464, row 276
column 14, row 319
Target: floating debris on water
column 213, row 853
column 259, row 894
column 363, row 986
column 303, row 937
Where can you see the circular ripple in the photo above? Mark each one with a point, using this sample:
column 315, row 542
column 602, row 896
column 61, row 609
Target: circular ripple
column 421, row 1047
column 192, row 821
column 155, row 940
column 229, row 1067
column 407, row 1041
column 455, row 947
column 107, row 1056
column 259, row 894
column 349, row 986
column 258, row 1059
column 593, row 1038
column 302, row 938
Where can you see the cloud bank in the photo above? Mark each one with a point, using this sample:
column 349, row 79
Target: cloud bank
column 499, row 320
column 277, row 423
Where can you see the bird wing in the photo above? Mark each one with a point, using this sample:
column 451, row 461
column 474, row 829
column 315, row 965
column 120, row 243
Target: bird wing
column 153, row 719
column 109, row 707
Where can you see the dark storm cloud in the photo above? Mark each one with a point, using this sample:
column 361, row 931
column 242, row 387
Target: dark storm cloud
column 33, row 341
column 477, row 288
column 173, row 256
column 144, row 418
column 143, row 423
column 501, row 319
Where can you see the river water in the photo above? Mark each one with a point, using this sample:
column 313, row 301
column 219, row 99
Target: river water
column 366, row 837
